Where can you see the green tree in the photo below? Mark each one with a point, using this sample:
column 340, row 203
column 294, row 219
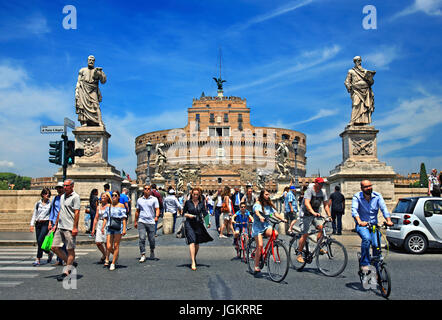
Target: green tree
column 19, row 182
column 423, row 179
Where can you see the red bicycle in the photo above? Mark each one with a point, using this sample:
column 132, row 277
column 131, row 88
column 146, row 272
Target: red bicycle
column 241, row 247
column 275, row 255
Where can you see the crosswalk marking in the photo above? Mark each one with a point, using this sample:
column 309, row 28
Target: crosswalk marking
column 16, row 262
column 10, row 284
column 40, row 268
column 16, row 265
column 18, row 275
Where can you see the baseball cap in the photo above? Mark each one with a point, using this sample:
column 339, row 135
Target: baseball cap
column 292, row 188
column 319, row 180
column 59, row 185
column 171, row 191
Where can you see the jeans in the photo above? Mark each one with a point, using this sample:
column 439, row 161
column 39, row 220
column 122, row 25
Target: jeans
column 368, row 238
column 337, row 216
column 217, row 214
column 41, row 230
column 174, row 222
column 144, row 228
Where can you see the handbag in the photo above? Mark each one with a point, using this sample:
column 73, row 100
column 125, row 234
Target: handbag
column 47, row 242
column 114, row 223
column 225, row 207
column 181, row 232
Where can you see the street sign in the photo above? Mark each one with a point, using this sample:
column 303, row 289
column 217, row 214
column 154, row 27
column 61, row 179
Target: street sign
column 69, row 123
column 51, row 129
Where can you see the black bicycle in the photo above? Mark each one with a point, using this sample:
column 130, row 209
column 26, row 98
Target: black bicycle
column 382, row 276
column 330, row 255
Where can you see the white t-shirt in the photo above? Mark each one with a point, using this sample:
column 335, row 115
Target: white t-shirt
column 147, row 209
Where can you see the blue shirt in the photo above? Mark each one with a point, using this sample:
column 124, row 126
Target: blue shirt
column 54, row 209
column 241, row 219
column 290, row 198
column 368, row 211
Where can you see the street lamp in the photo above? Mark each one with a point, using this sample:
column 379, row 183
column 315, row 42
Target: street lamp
column 295, row 149
column 149, row 149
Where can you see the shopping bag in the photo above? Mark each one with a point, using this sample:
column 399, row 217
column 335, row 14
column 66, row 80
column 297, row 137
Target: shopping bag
column 207, row 220
column 47, row 243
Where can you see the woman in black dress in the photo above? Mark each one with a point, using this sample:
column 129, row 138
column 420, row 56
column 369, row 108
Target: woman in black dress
column 195, row 210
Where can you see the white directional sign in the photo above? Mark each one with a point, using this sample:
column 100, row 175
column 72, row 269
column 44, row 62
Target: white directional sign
column 51, row 129
column 69, row 123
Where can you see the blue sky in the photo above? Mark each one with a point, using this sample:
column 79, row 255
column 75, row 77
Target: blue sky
column 289, row 59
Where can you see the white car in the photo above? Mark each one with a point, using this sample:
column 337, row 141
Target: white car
column 417, row 224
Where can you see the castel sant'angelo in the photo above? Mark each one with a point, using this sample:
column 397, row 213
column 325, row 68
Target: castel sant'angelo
column 219, row 146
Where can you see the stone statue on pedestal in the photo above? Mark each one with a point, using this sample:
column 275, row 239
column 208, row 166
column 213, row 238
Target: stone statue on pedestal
column 282, row 153
column 160, row 161
column 358, row 83
column 88, row 95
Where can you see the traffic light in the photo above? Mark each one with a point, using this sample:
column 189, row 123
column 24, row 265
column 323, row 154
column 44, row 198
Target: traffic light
column 71, row 152
column 56, row 153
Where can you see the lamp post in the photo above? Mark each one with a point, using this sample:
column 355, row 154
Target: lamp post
column 149, row 149
column 295, row 149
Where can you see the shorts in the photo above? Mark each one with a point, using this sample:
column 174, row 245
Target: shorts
column 259, row 227
column 112, row 232
column 226, row 216
column 308, row 220
column 290, row 216
column 64, row 237
column 240, row 228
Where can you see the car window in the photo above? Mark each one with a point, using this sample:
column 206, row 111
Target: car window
column 433, row 206
column 405, row 206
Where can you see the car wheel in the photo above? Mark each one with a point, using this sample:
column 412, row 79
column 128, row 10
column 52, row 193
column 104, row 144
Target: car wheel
column 416, row 243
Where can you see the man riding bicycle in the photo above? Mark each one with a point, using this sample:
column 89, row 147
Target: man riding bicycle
column 240, row 221
column 311, row 211
column 364, row 209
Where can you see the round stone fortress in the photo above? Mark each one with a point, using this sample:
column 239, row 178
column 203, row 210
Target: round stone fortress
column 220, row 147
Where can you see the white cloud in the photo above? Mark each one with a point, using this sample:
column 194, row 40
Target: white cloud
column 290, row 66
column 429, row 7
column 25, row 106
column 383, row 56
column 292, row 6
column 19, row 28
column 6, row 164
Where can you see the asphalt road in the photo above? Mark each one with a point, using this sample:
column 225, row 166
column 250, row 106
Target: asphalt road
column 219, row 276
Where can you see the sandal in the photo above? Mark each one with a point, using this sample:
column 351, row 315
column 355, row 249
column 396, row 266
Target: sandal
column 106, row 264
column 256, row 270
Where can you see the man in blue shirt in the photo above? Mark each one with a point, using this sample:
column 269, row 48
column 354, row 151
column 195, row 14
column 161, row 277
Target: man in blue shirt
column 55, row 208
column 364, row 209
column 291, row 208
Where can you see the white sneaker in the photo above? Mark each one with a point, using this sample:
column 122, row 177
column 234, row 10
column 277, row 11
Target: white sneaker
column 112, row 267
column 143, row 258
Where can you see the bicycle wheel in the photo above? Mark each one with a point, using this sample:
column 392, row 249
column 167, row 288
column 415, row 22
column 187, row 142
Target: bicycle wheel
column 244, row 241
column 384, row 281
column 278, row 261
column 251, row 249
column 331, row 258
column 293, row 254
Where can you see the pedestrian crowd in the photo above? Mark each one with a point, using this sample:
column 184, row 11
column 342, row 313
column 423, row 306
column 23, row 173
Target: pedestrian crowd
column 108, row 213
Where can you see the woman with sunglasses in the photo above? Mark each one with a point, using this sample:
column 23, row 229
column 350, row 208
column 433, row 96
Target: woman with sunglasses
column 117, row 211
column 194, row 211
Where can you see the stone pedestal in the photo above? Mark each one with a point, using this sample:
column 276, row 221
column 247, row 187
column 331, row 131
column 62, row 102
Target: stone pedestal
column 159, row 181
column 92, row 170
column 359, row 149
